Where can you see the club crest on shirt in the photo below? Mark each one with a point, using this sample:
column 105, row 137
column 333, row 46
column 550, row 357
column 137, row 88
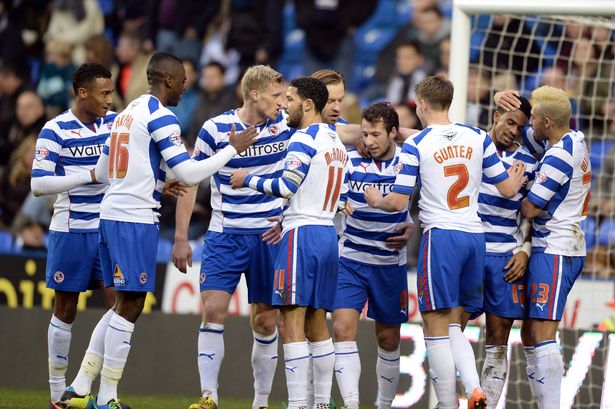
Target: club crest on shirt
column 58, row 277
column 175, row 138
column 273, row 129
column 541, row 177
column 143, row 278
column 398, row 168
column 41, row 153
column 292, row 164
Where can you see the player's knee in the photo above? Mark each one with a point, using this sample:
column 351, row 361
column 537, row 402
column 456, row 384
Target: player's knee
column 343, row 331
column 389, row 341
column 497, row 336
column 264, row 322
column 214, row 311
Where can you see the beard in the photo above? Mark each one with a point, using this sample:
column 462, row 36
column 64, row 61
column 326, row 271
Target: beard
column 294, row 119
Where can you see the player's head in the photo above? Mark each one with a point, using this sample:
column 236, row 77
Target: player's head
column 166, row 77
column 379, row 126
column 551, row 111
column 507, row 125
column 93, row 88
column 262, row 87
column 433, row 94
column 306, row 96
column 336, row 86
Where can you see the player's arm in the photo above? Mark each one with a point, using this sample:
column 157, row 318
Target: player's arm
column 44, row 180
column 405, row 181
column 554, row 171
column 508, row 182
column 296, row 167
column 182, row 252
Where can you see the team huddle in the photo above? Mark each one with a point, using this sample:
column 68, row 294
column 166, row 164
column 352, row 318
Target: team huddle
column 317, row 227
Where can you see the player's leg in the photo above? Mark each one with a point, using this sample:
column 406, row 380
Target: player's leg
column 351, row 295
column 134, row 275
column 263, row 317
column 438, row 291
column 323, row 355
column 550, row 280
column 296, row 355
column 528, row 351
column 495, row 367
column 387, row 365
column 465, row 360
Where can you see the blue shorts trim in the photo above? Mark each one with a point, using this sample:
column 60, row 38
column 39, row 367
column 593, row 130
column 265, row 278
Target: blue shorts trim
column 306, row 268
column 550, row 279
column 450, row 270
column 73, row 262
column 502, row 298
column 128, row 255
column 226, row 256
column 359, row 282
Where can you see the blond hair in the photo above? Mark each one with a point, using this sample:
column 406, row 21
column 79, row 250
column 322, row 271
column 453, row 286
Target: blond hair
column 259, row 77
column 552, row 103
column 329, row 77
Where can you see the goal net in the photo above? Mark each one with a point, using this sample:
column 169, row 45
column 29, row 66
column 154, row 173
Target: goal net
column 522, row 46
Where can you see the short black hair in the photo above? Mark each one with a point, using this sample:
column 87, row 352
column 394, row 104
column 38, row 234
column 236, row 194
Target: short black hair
column 87, row 73
column 161, row 66
column 382, row 111
column 311, row 88
column 526, row 107
column 218, row 65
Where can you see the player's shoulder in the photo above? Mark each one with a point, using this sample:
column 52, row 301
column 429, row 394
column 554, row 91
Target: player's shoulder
column 523, row 154
column 470, row 128
column 62, row 122
column 563, row 148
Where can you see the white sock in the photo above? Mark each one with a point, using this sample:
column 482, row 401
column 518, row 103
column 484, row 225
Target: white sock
column 530, row 358
column 117, row 347
column 465, row 361
column 323, row 364
column 93, row 358
column 549, row 373
column 493, row 376
column 309, row 398
column 264, row 361
column 58, row 345
column 387, row 371
column 442, row 371
column 211, row 354
column 348, row 372
column 296, row 361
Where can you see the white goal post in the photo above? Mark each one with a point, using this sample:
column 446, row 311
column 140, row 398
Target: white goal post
column 460, row 32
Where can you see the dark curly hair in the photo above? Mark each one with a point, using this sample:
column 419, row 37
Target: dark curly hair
column 87, row 73
column 311, row 88
column 382, row 111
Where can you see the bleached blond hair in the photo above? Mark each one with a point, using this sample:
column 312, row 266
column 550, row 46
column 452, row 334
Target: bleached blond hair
column 552, row 103
column 259, row 78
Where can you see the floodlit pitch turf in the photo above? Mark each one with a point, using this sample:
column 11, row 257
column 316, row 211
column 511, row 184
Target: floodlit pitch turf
column 28, row 399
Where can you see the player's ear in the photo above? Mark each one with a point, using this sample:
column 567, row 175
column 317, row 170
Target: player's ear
column 308, row 105
column 82, row 93
column 393, row 133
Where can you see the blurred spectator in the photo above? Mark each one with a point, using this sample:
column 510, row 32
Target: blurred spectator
column 409, row 72
column 31, row 237
column 30, row 118
column 11, row 86
column 213, row 98
column 73, row 22
column 215, row 49
column 556, row 77
column 178, row 27
column 477, row 110
column 603, row 188
column 429, row 29
column 185, row 109
column 12, row 48
column 131, row 80
column 508, row 39
column 15, row 184
column 407, row 116
column 328, row 27
column 256, row 31
column 351, row 108
column 445, row 55
column 98, row 49
column 55, row 83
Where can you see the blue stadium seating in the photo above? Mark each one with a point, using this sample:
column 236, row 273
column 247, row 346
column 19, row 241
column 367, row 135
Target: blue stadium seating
column 589, row 228
column 6, row 242
column 606, row 232
column 597, row 151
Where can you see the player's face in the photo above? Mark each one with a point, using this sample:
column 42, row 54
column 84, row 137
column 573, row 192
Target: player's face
column 332, row 111
column 98, row 98
column 270, row 101
column 377, row 140
column 294, row 107
column 178, row 86
column 507, row 127
column 537, row 121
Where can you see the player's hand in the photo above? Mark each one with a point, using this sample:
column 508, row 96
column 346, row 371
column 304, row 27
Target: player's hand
column 175, row 188
column 507, row 100
column 242, row 140
column 516, row 266
column 237, row 178
column 182, row 254
column 362, row 149
column 517, row 174
column 274, row 234
column 348, row 209
column 372, row 196
column 406, row 231
column 93, row 175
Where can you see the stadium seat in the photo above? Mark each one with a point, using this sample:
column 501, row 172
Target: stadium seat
column 589, row 228
column 606, row 232
column 165, row 250
column 6, row 242
column 598, row 149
